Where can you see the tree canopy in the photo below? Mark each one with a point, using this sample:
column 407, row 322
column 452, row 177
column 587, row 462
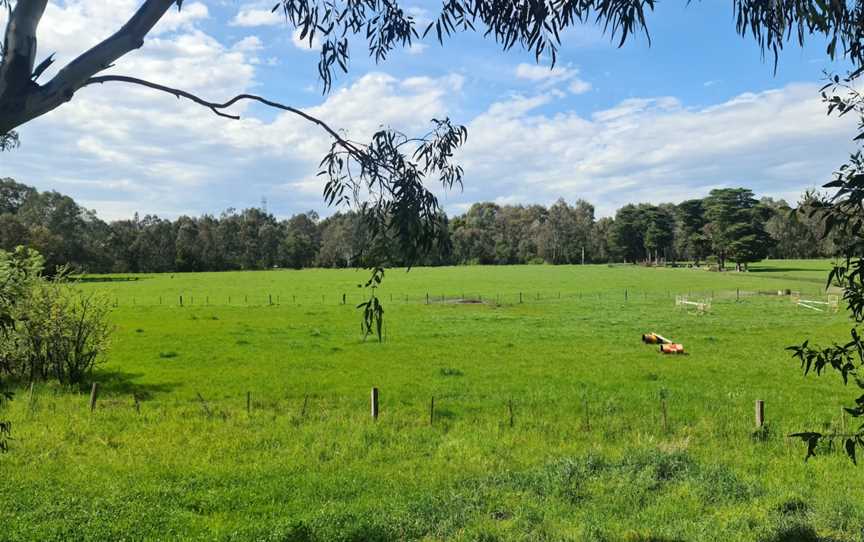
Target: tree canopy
column 65, row 233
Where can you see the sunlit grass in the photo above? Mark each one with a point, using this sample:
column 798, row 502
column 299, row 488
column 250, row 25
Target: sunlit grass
column 587, row 457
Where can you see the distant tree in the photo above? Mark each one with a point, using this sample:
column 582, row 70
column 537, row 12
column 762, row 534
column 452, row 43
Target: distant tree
column 659, row 231
column 13, row 232
column 736, row 226
column 13, row 195
column 186, row 245
column 602, row 244
column 628, row 233
column 691, row 240
column 301, row 242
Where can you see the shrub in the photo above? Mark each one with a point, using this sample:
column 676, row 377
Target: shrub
column 51, row 329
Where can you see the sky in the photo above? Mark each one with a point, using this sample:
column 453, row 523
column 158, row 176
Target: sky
column 697, row 109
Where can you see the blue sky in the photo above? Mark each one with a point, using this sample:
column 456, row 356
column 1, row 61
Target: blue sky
column 698, row 109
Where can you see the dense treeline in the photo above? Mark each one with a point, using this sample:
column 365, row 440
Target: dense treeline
column 729, row 226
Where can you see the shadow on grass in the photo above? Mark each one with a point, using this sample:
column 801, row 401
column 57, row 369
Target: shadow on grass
column 123, row 383
column 799, row 533
column 782, row 269
column 107, row 279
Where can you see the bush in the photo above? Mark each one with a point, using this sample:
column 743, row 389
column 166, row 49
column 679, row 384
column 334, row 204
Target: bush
column 51, row 329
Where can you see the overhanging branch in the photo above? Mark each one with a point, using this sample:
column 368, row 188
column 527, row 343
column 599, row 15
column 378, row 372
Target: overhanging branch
column 34, row 101
column 219, row 107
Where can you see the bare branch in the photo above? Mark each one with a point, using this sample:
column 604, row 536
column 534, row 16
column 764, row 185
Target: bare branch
column 217, row 107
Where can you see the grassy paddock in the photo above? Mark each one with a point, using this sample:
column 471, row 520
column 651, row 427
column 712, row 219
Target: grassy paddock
column 588, row 456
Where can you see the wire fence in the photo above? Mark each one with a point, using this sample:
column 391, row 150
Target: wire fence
column 624, row 295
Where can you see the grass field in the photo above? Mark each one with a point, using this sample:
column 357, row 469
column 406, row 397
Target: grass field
column 586, row 457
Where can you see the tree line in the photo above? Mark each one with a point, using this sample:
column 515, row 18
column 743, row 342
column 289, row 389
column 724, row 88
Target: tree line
column 728, row 226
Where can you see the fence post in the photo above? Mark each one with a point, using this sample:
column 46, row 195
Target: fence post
column 587, row 414
column 427, row 298
column 625, row 294
column 137, row 403
column 520, row 297
column 248, row 402
column 665, row 415
column 432, row 411
column 343, row 299
column 374, row 403
column 760, row 413
column 270, row 299
column 510, row 406
column 737, row 294
column 181, row 300
column 94, row 393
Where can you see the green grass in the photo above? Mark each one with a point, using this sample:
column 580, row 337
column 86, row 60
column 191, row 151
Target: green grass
column 587, row 456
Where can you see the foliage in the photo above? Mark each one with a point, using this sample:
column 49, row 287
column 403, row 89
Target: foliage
column 18, row 272
column 50, row 329
column 486, row 233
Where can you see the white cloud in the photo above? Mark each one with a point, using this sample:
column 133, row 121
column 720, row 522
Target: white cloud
column 778, row 142
column 417, row 48
column 249, row 17
column 249, row 44
column 578, row 86
column 548, row 77
column 536, row 72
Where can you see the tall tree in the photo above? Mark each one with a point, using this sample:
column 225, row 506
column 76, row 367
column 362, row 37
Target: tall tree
column 628, row 233
column 735, row 226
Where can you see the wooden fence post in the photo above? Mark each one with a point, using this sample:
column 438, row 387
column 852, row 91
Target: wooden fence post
column 248, row 402
column 427, row 298
column 432, row 411
column 665, row 415
column 760, row 413
column 343, row 299
column 204, row 405
column 625, row 294
column 374, row 403
column 94, row 393
column 520, row 297
column 181, row 300
column 737, row 294
column 587, row 414
column 270, row 299
column 510, row 407
column 137, row 403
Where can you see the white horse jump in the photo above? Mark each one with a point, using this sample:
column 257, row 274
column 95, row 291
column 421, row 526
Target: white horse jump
column 833, row 303
column 702, row 307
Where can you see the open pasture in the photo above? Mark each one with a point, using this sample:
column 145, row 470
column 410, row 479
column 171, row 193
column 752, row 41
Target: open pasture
column 252, row 419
